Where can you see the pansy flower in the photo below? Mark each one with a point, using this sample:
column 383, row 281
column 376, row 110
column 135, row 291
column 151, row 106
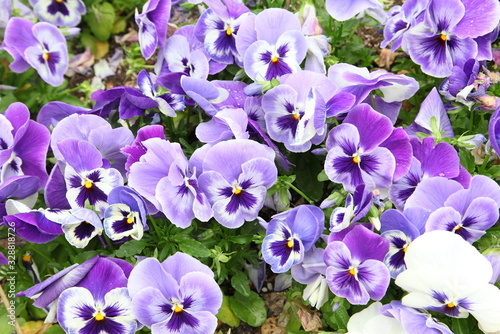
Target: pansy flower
column 366, row 149
column 152, row 24
column 63, row 13
column 87, row 181
column 290, row 234
column 356, row 207
column 41, row 46
column 354, row 266
column 178, row 295
column 346, row 9
column 81, row 226
column 126, row 214
column 446, row 37
column 236, row 176
column 447, row 274
column 217, row 28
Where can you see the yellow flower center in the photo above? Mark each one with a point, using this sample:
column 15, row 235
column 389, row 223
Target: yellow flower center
column 229, row 32
column 443, row 37
column 355, row 159
column 451, row 305
column 27, row 258
column 353, row 271
column 456, row 228
column 130, row 220
column 99, row 316
column 46, row 56
column 274, row 59
column 87, row 184
column 237, row 190
column 289, row 243
column 177, row 308
column 296, row 117
column 59, row 1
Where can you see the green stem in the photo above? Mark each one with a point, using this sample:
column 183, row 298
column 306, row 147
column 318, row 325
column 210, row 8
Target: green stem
column 155, row 227
column 485, row 162
column 42, row 255
column 298, row 191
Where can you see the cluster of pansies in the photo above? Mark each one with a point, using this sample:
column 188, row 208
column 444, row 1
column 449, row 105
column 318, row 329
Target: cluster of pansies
column 412, row 212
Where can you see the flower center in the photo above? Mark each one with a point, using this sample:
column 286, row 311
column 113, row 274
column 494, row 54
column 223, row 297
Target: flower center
column 99, row 316
column 296, row 117
column 46, row 55
column 456, row 228
column 229, row 31
column 177, row 308
column 353, row 271
column 443, row 37
column 59, row 1
column 274, row 59
column 451, row 305
column 289, row 243
column 356, row 159
column 130, row 218
column 237, row 190
column 87, row 184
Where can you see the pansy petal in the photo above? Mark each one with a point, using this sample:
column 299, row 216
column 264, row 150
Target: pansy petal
column 202, row 291
column 75, row 307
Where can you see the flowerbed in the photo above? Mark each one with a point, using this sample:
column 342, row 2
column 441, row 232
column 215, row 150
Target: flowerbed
column 219, row 166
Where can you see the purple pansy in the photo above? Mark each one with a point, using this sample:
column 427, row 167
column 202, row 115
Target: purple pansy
column 98, row 302
column 236, row 175
column 178, row 295
column 465, row 83
column 468, row 212
column 165, row 178
column 445, row 37
column 366, row 149
column 88, row 181
column 23, row 145
column 401, row 228
column 354, row 266
column 494, row 130
column 272, row 44
column 152, row 24
column 290, row 234
column 218, row 27
column 295, row 111
column 41, row 46
column 428, row 161
column 126, row 214
column 97, row 131
column 79, row 275
column 226, row 124
column 356, row 207
column 64, row 13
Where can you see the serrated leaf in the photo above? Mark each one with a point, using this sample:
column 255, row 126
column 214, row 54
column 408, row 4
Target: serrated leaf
column 226, row 315
column 241, row 283
column 194, row 248
column 251, row 309
column 131, row 248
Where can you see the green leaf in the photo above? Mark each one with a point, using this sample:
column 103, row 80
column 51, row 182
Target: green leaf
column 241, row 283
column 194, row 248
column 459, row 326
column 341, row 317
column 131, row 248
column 251, row 309
column 54, row 329
column 226, row 315
column 467, row 160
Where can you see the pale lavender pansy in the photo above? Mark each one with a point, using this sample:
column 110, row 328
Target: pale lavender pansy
column 88, row 180
column 164, row 177
column 356, row 207
column 178, row 295
column 205, row 93
column 67, row 13
column 295, row 111
column 346, row 9
column 354, row 266
column 53, row 112
column 366, row 149
column 445, row 37
column 152, row 24
column 41, row 46
column 218, row 27
column 99, row 133
column 236, row 175
column 290, row 234
column 225, row 124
